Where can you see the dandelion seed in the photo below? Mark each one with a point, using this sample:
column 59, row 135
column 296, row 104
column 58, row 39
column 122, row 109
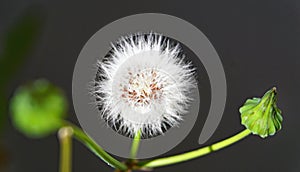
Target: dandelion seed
column 142, row 84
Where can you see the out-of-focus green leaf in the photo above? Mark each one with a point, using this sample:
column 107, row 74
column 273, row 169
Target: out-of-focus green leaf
column 3, row 105
column 38, row 108
column 18, row 42
column 261, row 115
column 17, row 45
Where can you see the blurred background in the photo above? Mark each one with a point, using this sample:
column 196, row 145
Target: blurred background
column 257, row 41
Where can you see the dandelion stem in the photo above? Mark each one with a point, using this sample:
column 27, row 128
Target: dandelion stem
column 195, row 153
column 135, row 145
column 96, row 149
column 65, row 140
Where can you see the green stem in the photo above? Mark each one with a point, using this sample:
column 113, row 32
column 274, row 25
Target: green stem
column 195, row 153
column 65, row 140
column 135, row 145
column 96, row 149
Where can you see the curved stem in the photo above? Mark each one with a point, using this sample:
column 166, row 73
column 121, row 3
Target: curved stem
column 195, row 153
column 65, row 140
column 96, row 149
column 135, row 145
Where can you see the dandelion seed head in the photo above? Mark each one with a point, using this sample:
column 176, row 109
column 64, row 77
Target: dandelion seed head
column 143, row 84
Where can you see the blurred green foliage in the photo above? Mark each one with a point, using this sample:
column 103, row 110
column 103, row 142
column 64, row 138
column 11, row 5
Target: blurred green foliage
column 18, row 42
column 3, row 105
column 38, row 108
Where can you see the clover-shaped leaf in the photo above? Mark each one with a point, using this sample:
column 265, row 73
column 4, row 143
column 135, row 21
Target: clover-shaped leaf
column 38, row 108
column 261, row 115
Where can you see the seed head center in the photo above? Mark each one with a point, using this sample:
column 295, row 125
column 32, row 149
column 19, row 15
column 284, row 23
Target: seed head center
column 142, row 88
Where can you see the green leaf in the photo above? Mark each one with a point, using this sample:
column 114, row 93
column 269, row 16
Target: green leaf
column 18, row 42
column 261, row 115
column 38, row 108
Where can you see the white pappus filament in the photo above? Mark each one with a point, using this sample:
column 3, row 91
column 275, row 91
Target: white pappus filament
column 142, row 84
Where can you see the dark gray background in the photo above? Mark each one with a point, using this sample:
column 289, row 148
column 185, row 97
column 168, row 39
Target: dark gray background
column 258, row 43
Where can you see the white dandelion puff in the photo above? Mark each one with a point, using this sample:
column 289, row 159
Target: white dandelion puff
column 142, row 84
